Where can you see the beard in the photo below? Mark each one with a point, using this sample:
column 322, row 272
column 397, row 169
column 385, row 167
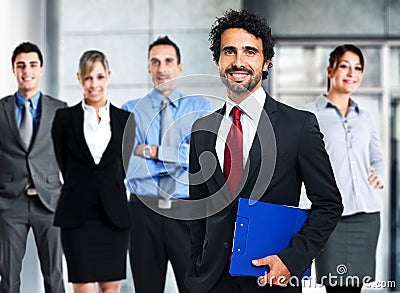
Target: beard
column 242, row 87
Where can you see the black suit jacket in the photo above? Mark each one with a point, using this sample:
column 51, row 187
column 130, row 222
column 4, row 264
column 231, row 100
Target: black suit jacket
column 275, row 176
column 85, row 181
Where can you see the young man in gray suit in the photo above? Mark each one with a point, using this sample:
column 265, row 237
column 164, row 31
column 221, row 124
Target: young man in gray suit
column 29, row 175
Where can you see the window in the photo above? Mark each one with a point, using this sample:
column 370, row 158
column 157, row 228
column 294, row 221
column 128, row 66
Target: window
column 299, row 75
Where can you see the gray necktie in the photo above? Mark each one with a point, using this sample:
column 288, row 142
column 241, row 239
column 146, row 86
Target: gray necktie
column 26, row 126
column 166, row 184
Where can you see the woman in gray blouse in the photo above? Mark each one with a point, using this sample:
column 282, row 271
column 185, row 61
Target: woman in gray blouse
column 348, row 259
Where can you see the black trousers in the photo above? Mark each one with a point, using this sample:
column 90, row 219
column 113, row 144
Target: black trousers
column 227, row 283
column 154, row 241
column 343, row 289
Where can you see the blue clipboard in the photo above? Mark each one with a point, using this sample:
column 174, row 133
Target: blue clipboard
column 262, row 229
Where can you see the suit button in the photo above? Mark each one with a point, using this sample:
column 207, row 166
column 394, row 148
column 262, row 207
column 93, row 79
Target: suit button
column 226, row 245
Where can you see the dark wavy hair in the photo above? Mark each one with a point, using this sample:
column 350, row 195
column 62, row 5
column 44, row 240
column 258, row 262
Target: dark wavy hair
column 338, row 52
column 26, row 47
column 252, row 23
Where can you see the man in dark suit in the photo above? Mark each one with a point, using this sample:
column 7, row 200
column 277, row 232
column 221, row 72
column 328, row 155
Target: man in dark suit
column 29, row 175
column 264, row 150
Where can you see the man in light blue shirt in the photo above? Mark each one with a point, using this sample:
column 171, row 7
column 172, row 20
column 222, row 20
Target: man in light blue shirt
column 157, row 175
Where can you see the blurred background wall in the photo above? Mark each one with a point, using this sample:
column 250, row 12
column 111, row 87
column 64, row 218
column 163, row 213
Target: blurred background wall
column 305, row 32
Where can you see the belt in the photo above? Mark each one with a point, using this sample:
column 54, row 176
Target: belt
column 31, row 191
column 136, row 198
column 154, row 201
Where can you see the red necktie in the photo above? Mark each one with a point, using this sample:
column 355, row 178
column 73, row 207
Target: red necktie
column 233, row 154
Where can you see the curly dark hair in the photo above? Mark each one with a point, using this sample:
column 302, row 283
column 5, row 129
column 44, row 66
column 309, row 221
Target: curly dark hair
column 252, row 23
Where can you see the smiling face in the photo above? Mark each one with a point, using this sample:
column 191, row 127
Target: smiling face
column 94, row 85
column 241, row 63
column 347, row 74
column 28, row 72
column 164, row 68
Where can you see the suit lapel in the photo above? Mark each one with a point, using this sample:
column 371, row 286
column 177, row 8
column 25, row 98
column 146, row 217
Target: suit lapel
column 209, row 141
column 262, row 153
column 78, row 128
column 9, row 112
column 45, row 123
column 271, row 109
column 77, row 121
column 263, row 150
column 113, row 122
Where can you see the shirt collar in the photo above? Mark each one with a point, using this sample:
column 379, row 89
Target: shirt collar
column 34, row 100
column 323, row 102
column 157, row 97
column 103, row 111
column 354, row 106
column 250, row 106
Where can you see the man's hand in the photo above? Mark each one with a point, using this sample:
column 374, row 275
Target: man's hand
column 153, row 153
column 374, row 179
column 278, row 272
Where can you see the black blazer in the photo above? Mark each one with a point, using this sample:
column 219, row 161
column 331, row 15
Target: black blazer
column 84, row 180
column 300, row 157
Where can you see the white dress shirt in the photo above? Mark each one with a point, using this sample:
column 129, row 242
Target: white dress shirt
column 97, row 134
column 251, row 108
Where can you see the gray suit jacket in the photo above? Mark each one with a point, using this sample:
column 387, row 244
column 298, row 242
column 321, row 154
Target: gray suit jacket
column 38, row 162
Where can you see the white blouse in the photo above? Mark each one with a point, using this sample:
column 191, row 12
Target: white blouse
column 97, row 135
